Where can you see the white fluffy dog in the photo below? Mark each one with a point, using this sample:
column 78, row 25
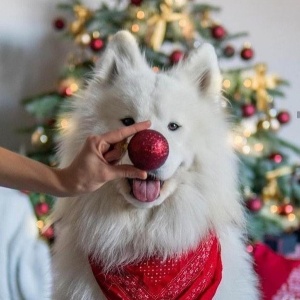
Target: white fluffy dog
column 188, row 242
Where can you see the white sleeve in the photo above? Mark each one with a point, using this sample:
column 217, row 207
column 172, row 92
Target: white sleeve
column 24, row 258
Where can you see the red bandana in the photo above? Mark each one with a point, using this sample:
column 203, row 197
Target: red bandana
column 193, row 276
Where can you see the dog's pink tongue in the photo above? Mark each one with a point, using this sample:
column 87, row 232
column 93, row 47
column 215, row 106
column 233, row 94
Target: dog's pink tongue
column 146, row 190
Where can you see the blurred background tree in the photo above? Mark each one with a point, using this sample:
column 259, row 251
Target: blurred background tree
column 167, row 30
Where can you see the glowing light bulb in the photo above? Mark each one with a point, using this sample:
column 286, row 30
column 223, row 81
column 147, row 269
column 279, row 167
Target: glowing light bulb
column 135, row 28
column 140, row 15
column 246, row 149
column 291, row 217
column 247, row 83
column 40, row 224
column 274, row 209
column 226, row 84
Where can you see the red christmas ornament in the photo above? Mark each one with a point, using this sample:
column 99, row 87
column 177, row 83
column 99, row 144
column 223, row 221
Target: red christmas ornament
column 65, row 91
column 148, row 150
column 136, row 2
column 48, row 233
column 59, row 24
column 218, row 32
column 247, row 53
column 176, row 56
column 96, row 44
column 276, row 158
column 248, row 110
column 254, row 204
column 228, row 51
column 283, row 117
column 285, row 209
column 42, row 208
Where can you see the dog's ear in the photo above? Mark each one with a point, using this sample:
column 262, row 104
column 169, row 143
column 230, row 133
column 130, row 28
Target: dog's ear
column 122, row 53
column 203, row 69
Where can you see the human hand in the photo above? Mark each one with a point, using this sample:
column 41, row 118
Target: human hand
column 96, row 163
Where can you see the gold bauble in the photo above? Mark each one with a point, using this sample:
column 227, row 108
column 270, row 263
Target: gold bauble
column 263, row 125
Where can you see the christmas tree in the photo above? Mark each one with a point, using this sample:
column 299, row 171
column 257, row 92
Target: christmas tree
column 167, row 30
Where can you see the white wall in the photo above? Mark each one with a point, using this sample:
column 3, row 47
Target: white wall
column 31, row 53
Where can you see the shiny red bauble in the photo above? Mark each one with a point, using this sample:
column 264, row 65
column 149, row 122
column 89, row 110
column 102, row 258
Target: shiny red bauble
column 247, row 53
column 136, row 2
column 48, row 233
column 176, row 56
column 276, row 157
column 42, row 208
column 218, row 32
column 283, row 117
column 248, row 110
column 254, row 204
column 148, row 150
column 285, row 209
column 59, row 24
column 228, row 51
column 96, row 44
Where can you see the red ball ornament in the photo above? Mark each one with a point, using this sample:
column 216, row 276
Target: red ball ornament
column 285, row 209
column 218, row 32
column 65, row 91
column 276, row 158
column 136, row 2
column 148, row 150
column 176, row 56
column 42, row 208
column 254, row 204
column 283, row 117
column 96, row 44
column 48, row 233
column 59, row 24
column 248, row 110
column 247, row 53
column 228, row 51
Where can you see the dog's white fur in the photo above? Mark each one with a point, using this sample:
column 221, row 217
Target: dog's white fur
column 200, row 189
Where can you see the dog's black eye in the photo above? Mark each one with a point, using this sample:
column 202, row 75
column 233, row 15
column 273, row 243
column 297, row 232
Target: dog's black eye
column 173, row 126
column 127, row 121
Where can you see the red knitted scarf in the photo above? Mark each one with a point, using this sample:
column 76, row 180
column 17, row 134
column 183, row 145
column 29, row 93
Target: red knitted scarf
column 195, row 275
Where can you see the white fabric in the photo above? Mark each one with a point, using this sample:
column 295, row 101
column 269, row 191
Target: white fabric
column 24, row 258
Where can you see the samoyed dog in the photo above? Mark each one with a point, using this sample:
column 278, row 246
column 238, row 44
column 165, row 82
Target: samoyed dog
column 186, row 242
